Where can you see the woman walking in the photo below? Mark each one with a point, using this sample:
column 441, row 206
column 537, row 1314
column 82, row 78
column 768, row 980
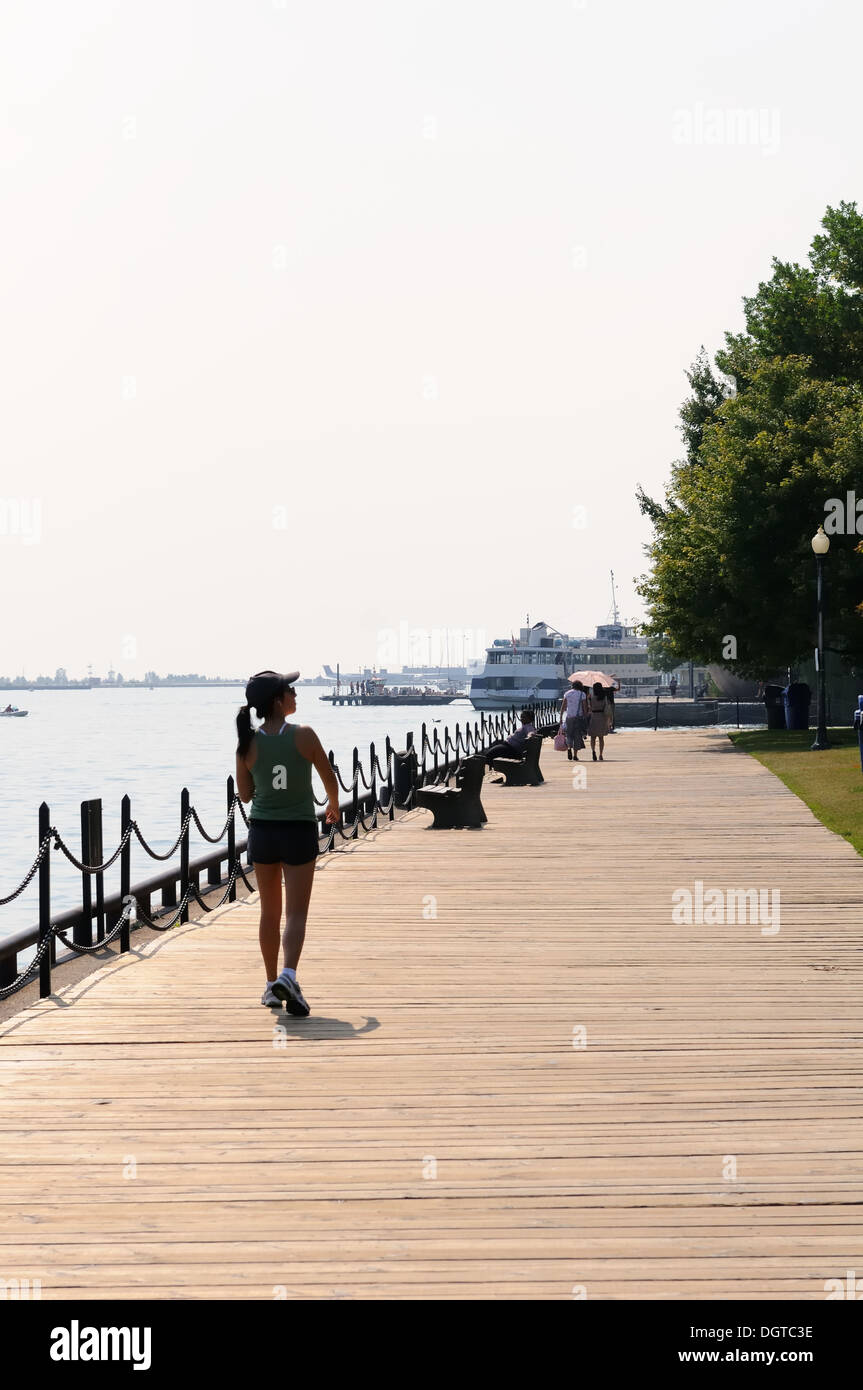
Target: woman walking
column 598, row 726
column 274, row 772
column 610, row 692
column 571, row 711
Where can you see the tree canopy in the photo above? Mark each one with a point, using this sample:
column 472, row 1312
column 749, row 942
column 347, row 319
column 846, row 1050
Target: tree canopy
column 770, row 436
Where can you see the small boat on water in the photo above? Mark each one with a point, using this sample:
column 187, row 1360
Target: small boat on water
column 375, row 692
column 13, row 712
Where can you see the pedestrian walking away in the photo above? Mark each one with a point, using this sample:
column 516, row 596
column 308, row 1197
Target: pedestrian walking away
column 585, row 708
column 610, row 691
column 571, row 718
column 598, row 726
column 274, row 772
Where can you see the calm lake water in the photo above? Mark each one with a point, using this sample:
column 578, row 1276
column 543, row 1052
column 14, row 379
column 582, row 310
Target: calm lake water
column 79, row 744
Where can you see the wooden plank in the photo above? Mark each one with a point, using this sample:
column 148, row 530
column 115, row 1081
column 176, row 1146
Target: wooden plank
column 447, row 973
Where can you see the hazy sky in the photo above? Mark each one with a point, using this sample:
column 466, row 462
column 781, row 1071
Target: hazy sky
column 320, row 321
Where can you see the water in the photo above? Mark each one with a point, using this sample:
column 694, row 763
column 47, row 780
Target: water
column 79, row 744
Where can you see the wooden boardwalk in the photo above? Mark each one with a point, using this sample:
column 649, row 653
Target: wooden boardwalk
column 432, row 1131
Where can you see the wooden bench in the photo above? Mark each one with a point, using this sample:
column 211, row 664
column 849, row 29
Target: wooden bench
column 459, row 806
column 522, row 772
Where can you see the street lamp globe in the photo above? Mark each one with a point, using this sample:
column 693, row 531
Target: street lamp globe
column 821, row 545
column 820, row 542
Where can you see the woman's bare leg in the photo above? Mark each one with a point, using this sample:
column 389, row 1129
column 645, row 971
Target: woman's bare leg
column 601, row 743
column 299, row 879
column 268, row 877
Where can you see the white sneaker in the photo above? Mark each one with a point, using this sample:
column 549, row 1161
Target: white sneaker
column 289, row 990
column 271, row 1000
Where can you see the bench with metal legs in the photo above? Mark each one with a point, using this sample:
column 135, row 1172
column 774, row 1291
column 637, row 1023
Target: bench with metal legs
column 459, row 806
column 522, row 772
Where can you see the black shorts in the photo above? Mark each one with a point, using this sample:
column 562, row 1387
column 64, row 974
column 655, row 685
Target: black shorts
column 282, row 841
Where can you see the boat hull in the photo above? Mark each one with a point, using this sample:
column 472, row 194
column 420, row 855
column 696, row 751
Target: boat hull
column 518, row 699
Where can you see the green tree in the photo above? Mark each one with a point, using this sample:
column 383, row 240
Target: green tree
column 730, row 556
column 699, row 410
column 813, row 311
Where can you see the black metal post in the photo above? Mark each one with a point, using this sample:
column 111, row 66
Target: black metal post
column 184, row 854
column 232, row 840
column 8, row 970
column 821, row 735
column 95, row 832
column 82, row 932
column 656, row 716
column 412, row 768
column 355, row 809
column 391, row 783
column 326, row 829
column 44, row 903
column 125, row 869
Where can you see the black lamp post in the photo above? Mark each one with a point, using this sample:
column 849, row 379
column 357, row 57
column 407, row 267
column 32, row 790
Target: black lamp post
column 821, row 544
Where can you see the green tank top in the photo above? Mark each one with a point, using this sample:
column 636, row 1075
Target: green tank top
column 282, row 778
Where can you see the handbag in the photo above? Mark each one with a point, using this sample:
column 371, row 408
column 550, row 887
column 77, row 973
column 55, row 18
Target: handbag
column 560, row 740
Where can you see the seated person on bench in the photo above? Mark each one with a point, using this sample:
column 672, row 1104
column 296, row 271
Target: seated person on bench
column 514, row 745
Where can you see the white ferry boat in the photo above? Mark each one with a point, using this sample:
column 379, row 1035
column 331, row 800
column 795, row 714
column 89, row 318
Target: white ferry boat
column 538, row 664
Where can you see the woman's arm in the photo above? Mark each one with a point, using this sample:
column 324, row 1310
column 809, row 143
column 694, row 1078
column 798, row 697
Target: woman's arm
column 245, row 785
column 310, row 746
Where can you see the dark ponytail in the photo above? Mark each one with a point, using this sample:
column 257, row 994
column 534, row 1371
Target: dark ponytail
column 245, row 733
column 264, row 688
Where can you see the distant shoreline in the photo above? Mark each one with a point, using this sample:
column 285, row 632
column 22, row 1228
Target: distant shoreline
column 138, row 685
